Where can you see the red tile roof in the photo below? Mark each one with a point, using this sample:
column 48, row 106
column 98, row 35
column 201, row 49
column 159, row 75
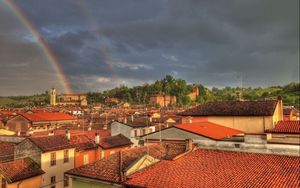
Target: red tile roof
column 212, row 168
column 47, row 116
column 114, row 141
column 82, row 142
column 51, row 143
column 59, row 142
column 19, row 170
column 6, row 151
column 233, row 108
column 8, row 112
column 90, row 134
column 108, row 169
column 208, row 129
column 292, row 127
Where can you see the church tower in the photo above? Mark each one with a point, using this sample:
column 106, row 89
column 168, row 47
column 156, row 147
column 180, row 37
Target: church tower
column 53, row 97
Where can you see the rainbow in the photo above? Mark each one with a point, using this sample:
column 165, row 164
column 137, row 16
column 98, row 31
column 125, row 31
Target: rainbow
column 53, row 60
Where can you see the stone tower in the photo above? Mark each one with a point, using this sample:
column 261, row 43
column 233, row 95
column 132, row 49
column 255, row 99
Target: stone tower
column 53, row 97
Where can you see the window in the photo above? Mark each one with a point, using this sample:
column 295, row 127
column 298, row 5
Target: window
column 66, row 156
column 135, row 133
column 150, row 130
column 53, row 181
column 111, row 152
column 66, row 181
column 53, row 159
column 86, row 159
column 144, row 131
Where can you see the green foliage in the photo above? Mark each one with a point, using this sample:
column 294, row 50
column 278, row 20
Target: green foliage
column 25, row 101
column 171, row 86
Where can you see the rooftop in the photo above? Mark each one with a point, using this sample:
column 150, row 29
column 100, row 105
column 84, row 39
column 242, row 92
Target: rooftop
column 288, row 110
column 212, row 168
column 6, row 151
column 233, row 108
column 289, row 127
column 19, row 170
column 108, row 169
column 114, row 141
column 47, row 116
column 210, row 130
column 59, row 142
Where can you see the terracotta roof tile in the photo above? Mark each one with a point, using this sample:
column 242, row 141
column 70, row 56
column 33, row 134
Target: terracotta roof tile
column 108, row 169
column 292, row 127
column 47, row 116
column 51, row 143
column 114, row 141
column 90, row 134
column 59, row 142
column 233, row 108
column 211, row 168
column 210, row 130
column 19, row 170
column 6, row 151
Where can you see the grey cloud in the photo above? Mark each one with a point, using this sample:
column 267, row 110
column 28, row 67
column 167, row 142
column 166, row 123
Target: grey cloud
column 140, row 41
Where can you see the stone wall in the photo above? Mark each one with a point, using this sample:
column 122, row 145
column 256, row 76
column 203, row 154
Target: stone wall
column 27, row 149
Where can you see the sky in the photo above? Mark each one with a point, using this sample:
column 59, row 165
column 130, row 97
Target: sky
column 101, row 44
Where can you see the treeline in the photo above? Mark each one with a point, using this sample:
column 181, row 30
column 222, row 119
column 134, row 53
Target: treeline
column 141, row 94
column 180, row 88
column 171, row 86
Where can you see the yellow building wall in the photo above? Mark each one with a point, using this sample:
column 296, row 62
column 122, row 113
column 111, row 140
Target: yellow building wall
column 34, row 182
column 251, row 124
column 57, row 170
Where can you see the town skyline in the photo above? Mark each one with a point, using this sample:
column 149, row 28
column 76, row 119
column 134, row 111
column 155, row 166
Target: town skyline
column 85, row 47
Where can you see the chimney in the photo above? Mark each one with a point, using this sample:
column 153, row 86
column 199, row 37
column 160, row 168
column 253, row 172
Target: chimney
column 68, row 134
column 189, row 119
column 97, row 138
column 189, row 144
column 132, row 118
column 280, row 108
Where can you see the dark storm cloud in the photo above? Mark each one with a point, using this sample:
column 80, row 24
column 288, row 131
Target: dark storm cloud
column 102, row 44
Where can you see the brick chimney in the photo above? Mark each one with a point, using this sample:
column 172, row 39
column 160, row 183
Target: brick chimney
column 97, row 138
column 68, row 135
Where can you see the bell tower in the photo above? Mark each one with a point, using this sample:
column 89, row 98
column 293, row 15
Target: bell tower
column 53, row 97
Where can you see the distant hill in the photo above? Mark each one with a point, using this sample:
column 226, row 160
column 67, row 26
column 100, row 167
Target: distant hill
column 179, row 88
column 22, row 101
column 171, row 86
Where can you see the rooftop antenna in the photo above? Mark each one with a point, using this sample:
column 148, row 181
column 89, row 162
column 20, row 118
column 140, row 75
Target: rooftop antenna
column 241, row 96
column 147, row 123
